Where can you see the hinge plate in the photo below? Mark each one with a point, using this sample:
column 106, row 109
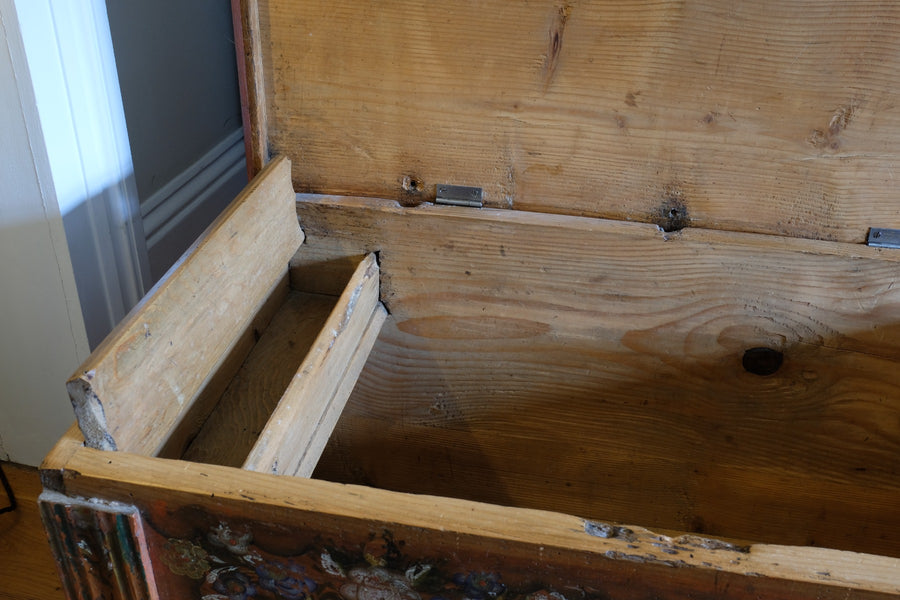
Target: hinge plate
column 459, row 195
column 883, row 238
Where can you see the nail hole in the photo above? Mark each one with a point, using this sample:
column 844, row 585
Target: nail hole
column 762, row 361
column 411, row 184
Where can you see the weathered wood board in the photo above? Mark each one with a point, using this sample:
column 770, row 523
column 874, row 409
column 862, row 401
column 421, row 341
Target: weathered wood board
column 763, row 116
column 210, row 528
column 163, row 355
column 243, row 410
column 596, row 368
column 292, row 441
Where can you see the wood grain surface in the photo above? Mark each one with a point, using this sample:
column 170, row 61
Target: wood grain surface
column 27, row 568
column 161, row 357
column 596, row 368
column 295, row 435
column 763, row 116
column 600, row 559
column 233, row 428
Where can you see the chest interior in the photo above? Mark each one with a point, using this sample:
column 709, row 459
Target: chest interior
column 665, row 312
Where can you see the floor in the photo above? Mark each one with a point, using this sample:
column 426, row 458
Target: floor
column 27, row 570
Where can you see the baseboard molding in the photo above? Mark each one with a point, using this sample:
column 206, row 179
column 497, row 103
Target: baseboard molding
column 176, row 203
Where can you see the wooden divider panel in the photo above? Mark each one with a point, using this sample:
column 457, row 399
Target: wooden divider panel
column 302, row 422
column 135, row 387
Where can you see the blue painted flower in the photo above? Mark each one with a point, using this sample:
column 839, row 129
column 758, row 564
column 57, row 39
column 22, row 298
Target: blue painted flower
column 287, row 579
column 234, row 585
column 480, row 586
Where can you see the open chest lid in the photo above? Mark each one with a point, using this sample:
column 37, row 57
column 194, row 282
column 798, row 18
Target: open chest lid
column 770, row 117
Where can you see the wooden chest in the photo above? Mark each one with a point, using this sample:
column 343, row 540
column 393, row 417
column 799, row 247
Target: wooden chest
column 644, row 351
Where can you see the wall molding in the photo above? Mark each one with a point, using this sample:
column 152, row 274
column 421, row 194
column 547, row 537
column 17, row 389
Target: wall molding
column 177, row 201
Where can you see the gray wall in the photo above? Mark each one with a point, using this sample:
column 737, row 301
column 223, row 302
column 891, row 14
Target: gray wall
column 176, row 65
column 177, row 73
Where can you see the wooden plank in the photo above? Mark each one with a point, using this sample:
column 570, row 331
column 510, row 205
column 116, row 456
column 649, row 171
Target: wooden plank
column 162, row 356
column 765, row 116
column 345, row 530
column 187, row 428
column 300, row 426
column 595, row 367
column 230, row 432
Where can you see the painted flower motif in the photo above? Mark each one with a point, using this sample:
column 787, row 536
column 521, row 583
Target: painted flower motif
column 287, row 579
column 234, row 585
column 417, row 572
column 185, row 558
column 224, row 537
column 480, row 586
column 545, row 595
column 377, row 583
column 330, row 566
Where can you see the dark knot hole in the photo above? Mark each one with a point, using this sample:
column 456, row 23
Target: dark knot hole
column 762, row 361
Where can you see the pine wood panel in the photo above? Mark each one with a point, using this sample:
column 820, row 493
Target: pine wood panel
column 594, row 559
column 299, row 428
column 27, row 569
column 764, row 116
column 186, row 429
column 595, row 367
column 233, row 428
column 162, row 356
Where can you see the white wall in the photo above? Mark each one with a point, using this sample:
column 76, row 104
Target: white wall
column 43, row 337
column 73, row 74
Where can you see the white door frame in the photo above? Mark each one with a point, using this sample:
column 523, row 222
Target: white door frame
column 63, row 151
column 73, row 73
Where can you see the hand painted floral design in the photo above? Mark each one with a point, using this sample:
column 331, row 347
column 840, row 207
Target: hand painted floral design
column 377, row 583
column 230, row 563
column 231, row 584
column 223, row 536
column 480, row 586
column 186, row 558
column 287, row 579
column 545, row 595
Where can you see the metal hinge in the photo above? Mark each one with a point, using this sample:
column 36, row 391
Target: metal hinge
column 459, row 195
column 883, row 238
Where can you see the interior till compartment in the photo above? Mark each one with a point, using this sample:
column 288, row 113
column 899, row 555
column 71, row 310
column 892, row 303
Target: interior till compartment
column 252, row 394
column 301, row 333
